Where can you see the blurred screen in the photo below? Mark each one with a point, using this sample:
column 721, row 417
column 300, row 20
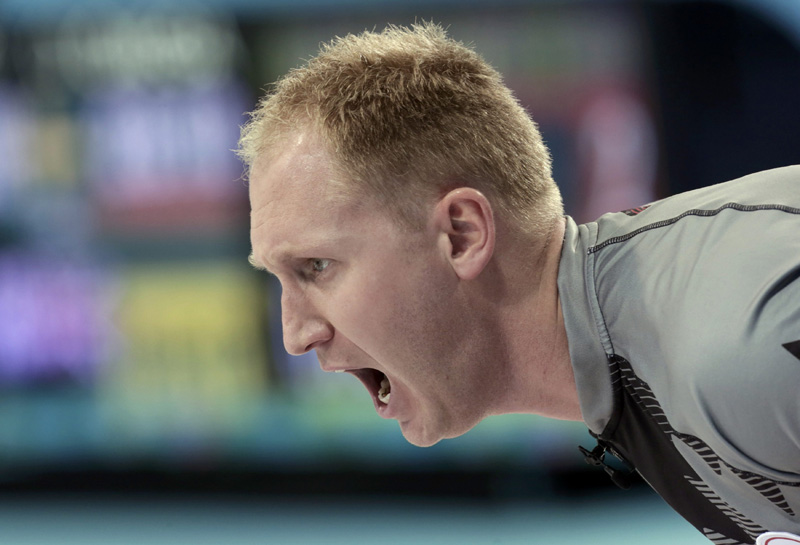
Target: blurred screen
column 134, row 334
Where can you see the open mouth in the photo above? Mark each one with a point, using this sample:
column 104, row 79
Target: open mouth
column 377, row 384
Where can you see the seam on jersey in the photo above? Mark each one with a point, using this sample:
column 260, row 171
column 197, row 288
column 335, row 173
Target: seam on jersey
column 694, row 212
column 594, row 303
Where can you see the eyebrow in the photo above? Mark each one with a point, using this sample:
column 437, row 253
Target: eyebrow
column 255, row 264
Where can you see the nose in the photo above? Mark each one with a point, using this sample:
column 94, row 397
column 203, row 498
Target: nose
column 303, row 326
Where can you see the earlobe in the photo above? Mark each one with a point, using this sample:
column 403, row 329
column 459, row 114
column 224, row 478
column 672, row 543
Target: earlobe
column 466, row 222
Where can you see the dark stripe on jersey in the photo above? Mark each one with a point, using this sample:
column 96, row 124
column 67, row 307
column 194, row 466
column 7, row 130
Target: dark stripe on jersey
column 694, row 212
column 641, row 433
column 793, row 348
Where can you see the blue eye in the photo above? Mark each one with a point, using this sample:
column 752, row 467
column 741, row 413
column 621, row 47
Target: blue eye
column 319, row 265
column 314, row 267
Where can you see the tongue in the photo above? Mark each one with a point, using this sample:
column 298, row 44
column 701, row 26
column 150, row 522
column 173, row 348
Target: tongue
column 385, row 391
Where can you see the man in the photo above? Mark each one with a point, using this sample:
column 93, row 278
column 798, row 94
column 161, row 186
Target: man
column 404, row 200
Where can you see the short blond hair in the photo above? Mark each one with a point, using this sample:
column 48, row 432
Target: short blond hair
column 407, row 114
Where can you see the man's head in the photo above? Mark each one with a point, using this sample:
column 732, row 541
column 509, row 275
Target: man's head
column 415, row 303
column 407, row 115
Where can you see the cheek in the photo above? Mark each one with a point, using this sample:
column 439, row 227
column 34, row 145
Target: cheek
column 399, row 309
column 387, row 315
column 414, row 322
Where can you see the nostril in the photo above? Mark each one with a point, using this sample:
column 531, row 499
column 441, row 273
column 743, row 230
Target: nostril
column 309, row 335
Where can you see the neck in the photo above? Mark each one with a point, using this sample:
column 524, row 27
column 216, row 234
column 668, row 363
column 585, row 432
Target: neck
column 540, row 376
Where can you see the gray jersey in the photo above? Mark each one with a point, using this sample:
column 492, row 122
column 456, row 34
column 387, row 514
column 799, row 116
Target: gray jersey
column 683, row 321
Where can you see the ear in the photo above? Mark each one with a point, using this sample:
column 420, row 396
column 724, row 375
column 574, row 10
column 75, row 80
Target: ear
column 465, row 222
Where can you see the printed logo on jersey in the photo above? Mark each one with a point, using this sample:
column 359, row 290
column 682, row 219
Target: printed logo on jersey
column 636, row 211
column 778, row 538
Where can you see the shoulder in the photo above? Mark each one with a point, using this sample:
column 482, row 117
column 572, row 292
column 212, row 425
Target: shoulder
column 775, row 190
column 701, row 292
column 714, row 254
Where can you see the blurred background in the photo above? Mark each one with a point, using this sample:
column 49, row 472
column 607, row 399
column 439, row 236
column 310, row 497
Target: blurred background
column 145, row 396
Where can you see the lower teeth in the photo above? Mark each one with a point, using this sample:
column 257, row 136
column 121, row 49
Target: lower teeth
column 385, row 392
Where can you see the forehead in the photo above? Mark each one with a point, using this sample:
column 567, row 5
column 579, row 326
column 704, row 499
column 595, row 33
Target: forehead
column 297, row 177
column 298, row 203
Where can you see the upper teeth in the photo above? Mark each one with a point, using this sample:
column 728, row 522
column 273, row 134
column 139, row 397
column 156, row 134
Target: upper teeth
column 385, row 391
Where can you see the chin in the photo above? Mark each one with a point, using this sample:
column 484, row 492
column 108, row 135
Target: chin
column 427, row 437
column 419, row 442
column 417, row 437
